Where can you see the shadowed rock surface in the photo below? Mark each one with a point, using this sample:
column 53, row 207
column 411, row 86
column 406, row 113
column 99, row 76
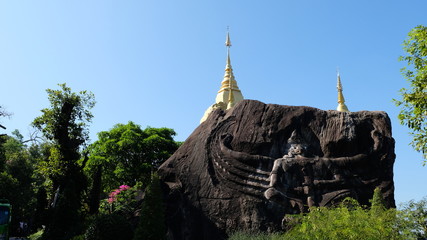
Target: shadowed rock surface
column 245, row 168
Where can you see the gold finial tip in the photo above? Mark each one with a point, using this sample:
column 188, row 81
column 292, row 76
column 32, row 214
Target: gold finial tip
column 227, row 40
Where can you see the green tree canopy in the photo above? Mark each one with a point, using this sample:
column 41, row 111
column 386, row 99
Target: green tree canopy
column 413, row 218
column 64, row 124
column 414, row 100
column 128, row 153
column 17, row 179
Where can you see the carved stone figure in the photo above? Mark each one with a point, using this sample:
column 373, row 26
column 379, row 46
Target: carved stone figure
column 308, row 181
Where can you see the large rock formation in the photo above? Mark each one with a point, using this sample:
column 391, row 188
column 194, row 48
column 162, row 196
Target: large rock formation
column 245, row 168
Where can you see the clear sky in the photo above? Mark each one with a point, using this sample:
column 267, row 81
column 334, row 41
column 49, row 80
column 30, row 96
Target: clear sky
column 160, row 63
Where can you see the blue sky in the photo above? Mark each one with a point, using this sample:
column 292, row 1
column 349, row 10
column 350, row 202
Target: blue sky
column 160, row 63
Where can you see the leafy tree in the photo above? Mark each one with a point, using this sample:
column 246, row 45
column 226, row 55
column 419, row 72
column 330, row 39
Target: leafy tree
column 128, row 154
column 64, row 124
column 3, row 113
column 3, row 138
column 17, row 180
column 412, row 218
column 413, row 105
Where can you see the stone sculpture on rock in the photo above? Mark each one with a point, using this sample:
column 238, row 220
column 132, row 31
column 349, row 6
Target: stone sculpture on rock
column 299, row 179
column 245, row 168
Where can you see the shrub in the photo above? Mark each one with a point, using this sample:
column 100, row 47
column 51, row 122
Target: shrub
column 109, row 227
column 151, row 225
column 254, row 236
column 349, row 221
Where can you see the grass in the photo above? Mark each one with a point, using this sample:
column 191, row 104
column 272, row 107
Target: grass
column 254, row 236
column 36, row 236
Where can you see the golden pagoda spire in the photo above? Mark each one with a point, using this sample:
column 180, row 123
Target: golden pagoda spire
column 341, row 102
column 229, row 94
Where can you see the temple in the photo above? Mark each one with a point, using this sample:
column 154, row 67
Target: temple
column 229, row 94
column 341, row 102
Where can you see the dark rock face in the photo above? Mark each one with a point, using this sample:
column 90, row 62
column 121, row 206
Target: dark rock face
column 245, row 168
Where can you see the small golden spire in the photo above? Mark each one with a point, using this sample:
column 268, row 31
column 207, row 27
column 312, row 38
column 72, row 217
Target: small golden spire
column 341, row 102
column 228, row 82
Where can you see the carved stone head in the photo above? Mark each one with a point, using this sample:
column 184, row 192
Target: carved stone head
column 295, row 145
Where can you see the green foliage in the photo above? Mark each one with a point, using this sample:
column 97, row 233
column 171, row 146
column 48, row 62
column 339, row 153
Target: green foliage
column 122, row 200
column 79, row 237
column 254, row 236
column 64, row 125
column 414, row 100
column 69, row 112
column 17, row 179
column 129, row 154
column 412, row 219
column 36, row 236
column 348, row 220
column 152, row 222
column 109, row 227
column 377, row 202
column 65, row 220
column 3, row 139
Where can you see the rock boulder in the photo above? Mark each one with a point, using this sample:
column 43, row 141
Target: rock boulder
column 245, row 168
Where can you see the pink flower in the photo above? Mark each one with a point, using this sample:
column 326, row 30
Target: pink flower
column 124, row 187
column 113, row 195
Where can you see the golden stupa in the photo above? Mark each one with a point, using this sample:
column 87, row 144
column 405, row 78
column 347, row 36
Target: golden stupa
column 229, row 94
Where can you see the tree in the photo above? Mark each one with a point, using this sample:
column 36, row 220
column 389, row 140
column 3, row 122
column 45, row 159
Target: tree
column 3, row 113
column 413, row 218
column 65, row 124
column 413, row 105
column 18, row 181
column 129, row 154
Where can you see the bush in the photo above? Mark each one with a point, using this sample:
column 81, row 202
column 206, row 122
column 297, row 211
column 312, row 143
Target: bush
column 122, row 200
column 254, row 236
column 151, row 224
column 109, row 227
column 349, row 221
column 78, row 237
